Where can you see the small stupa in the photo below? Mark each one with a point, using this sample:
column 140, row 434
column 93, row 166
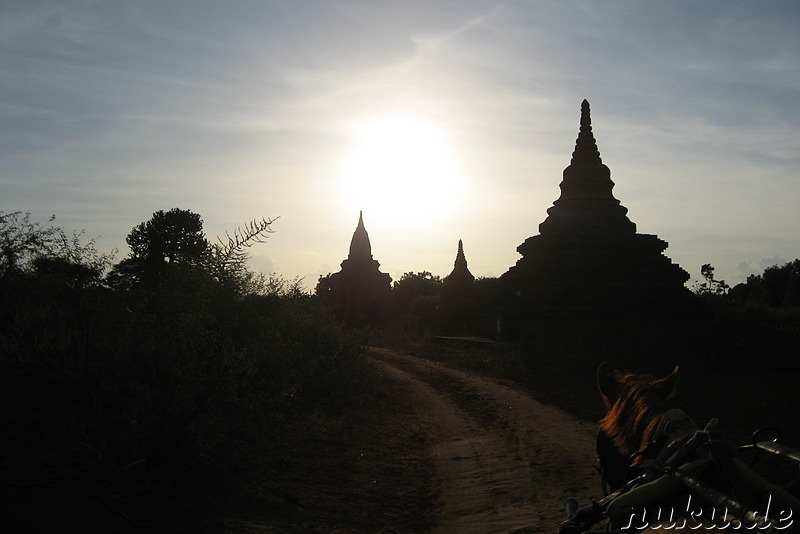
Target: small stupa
column 588, row 259
column 359, row 290
column 459, row 297
column 460, row 275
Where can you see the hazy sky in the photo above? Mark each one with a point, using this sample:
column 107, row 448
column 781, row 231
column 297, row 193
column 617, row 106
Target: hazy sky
column 440, row 119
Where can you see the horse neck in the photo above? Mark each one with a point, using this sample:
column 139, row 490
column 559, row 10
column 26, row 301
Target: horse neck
column 632, row 420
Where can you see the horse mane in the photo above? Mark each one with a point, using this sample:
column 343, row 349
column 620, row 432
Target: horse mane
column 634, row 414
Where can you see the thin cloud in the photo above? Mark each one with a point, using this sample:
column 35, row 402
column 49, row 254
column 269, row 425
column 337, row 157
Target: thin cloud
column 242, row 109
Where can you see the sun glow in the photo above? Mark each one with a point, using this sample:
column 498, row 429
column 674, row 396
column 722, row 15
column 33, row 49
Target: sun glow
column 400, row 168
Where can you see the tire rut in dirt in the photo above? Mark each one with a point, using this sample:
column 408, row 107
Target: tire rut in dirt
column 506, row 463
column 477, row 404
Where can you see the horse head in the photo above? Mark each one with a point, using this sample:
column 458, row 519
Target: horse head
column 635, row 406
column 642, row 424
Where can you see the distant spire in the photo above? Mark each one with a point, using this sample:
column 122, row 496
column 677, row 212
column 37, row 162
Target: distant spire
column 586, row 151
column 460, row 271
column 360, row 247
column 461, row 260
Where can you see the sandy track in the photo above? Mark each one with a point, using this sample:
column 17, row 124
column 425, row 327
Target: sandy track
column 504, row 462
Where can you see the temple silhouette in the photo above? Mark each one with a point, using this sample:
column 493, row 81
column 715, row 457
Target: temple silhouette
column 359, row 291
column 460, row 275
column 588, row 260
column 458, row 308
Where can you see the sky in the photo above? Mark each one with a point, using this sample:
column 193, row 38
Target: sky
column 439, row 119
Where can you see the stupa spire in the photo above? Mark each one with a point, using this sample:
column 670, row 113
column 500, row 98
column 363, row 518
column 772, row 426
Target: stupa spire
column 460, row 271
column 461, row 259
column 586, row 151
column 360, row 247
column 586, row 200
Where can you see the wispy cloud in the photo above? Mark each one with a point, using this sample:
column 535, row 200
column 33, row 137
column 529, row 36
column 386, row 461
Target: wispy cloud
column 238, row 108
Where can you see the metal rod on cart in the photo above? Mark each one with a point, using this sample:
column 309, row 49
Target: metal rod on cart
column 779, row 449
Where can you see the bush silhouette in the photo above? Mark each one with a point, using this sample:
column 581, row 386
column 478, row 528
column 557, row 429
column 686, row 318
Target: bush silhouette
column 121, row 400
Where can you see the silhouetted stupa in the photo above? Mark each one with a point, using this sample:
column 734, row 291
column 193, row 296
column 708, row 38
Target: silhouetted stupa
column 588, row 259
column 460, row 274
column 360, row 291
column 458, row 298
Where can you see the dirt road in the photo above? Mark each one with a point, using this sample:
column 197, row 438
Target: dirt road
column 503, row 461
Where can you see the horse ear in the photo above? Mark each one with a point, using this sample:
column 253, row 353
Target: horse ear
column 668, row 386
column 607, row 384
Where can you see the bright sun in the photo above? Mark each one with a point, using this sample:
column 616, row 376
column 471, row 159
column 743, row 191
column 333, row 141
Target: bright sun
column 400, row 168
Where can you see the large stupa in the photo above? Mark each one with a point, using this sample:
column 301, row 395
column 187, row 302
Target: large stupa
column 588, row 260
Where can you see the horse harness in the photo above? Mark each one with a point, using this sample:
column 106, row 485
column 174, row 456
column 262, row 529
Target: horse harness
column 676, row 441
column 674, row 429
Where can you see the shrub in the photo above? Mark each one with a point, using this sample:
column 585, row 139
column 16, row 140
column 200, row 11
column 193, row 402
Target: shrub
column 133, row 404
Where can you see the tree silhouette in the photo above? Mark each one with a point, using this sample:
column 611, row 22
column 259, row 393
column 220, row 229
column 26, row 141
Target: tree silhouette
column 417, row 292
column 172, row 237
column 47, row 250
column 22, row 240
column 711, row 286
column 175, row 240
column 777, row 286
column 323, row 287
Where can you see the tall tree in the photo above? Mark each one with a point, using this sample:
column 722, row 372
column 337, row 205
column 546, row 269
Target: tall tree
column 711, row 286
column 415, row 290
column 172, row 236
column 177, row 237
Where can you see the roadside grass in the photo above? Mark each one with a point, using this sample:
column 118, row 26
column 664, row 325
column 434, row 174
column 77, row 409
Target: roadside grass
column 168, row 408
